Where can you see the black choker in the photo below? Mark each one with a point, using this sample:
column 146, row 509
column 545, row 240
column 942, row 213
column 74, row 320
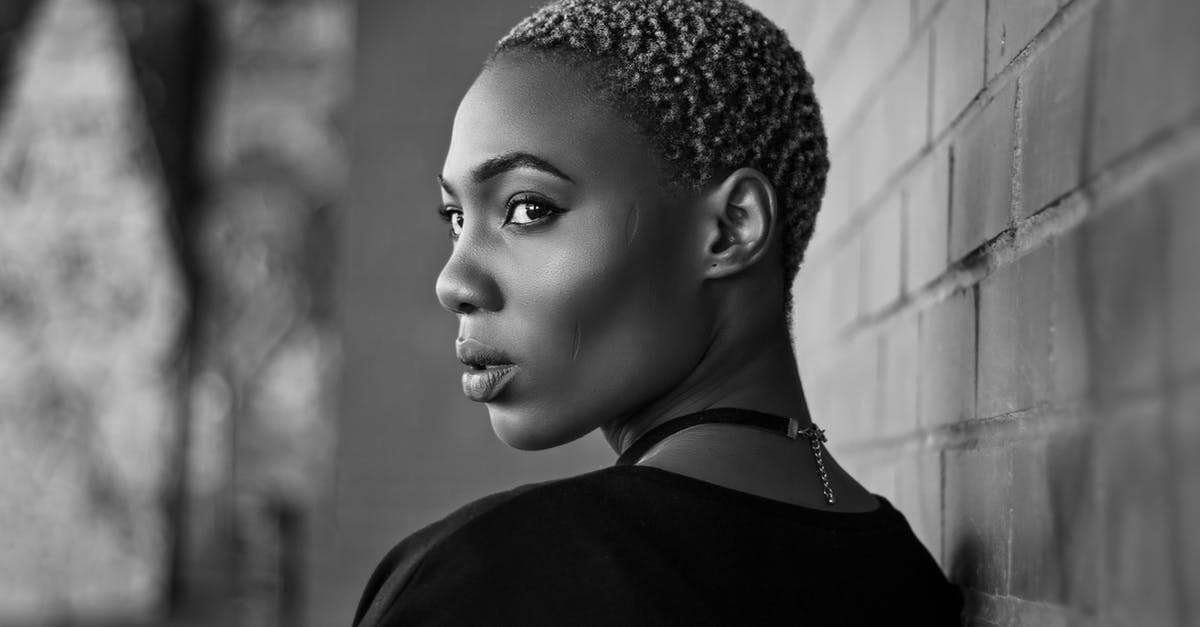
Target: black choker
column 732, row 415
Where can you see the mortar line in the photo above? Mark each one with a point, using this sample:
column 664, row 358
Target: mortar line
column 1055, row 27
column 872, row 91
column 842, row 32
column 1039, row 422
column 1161, row 154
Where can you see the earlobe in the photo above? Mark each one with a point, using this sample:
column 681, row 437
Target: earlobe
column 741, row 221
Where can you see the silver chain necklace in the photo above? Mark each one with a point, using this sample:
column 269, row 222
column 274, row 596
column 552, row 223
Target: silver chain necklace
column 816, row 437
column 771, row 422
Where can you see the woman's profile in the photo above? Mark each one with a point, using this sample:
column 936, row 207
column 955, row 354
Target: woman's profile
column 630, row 186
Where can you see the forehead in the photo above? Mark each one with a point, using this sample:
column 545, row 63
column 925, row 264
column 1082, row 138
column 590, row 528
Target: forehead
column 537, row 105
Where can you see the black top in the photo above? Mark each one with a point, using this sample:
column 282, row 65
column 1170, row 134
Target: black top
column 638, row 545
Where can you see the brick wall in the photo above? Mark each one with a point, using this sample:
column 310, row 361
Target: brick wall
column 995, row 321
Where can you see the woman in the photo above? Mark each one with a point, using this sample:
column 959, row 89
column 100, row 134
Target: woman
column 630, row 187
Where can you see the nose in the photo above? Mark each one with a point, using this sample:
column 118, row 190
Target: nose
column 466, row 285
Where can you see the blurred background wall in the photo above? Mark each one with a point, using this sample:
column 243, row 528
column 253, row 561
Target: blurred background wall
column 91, row 307
column 167, row 348
column 227, row 389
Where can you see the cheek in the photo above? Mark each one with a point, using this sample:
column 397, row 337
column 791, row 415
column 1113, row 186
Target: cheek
column 613, row 314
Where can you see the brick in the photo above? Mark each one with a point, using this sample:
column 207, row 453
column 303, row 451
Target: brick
column 981, row 197
column 898, row 378
column 977, row 520
column 836, row 206
column 827, row 17
column 1185, row 439
column 810, row 362
column 778, row 11
column 876, row 475
column 857, row 392
column 946, row 341
column 844, row 268
column 982, row 609
column 879, row 35
column 1054, row 98
column 985, row 610
column 923, row 10
column 1070, row 359
column 848, row 395
column 1055, row 534
column 1024, row 613
column 894, row 128
column 882, row 262
column 1145, row 72
column 820, row 378
column 928, row 216
column 903, row 105
column 958, row 58
column 868, row 170
column 798, row 20
column 919, row 497
column 1014, row 335
column 1011, row 25
column 810, row 297
column 1183, row 270
column 1139, row 581
column 1124, row 309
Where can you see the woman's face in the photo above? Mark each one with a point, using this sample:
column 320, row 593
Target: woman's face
column 573, row 275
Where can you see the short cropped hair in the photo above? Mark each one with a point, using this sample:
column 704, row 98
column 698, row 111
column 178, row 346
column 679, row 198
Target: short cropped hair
column 712, row 84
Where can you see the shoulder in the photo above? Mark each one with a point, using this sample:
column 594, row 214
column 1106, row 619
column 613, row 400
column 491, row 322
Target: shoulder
column 483, row 532
column 588, row 490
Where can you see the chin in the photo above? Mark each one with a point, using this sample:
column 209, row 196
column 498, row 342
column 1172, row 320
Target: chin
column 527, row 431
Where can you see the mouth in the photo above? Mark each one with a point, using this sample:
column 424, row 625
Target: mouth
column 478, row 366
column 486, row 384
column 488, row 370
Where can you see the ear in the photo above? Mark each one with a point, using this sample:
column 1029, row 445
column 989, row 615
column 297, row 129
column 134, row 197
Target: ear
column 739, row 222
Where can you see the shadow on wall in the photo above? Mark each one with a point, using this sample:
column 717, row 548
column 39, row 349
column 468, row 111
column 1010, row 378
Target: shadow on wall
column 1053, row 543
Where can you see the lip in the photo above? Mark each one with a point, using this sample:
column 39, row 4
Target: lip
column 471, row 351
column 483, row 385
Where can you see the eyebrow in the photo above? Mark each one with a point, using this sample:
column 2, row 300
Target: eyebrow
column 507, row 162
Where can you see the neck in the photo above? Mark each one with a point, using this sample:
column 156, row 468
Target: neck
column 751, row 367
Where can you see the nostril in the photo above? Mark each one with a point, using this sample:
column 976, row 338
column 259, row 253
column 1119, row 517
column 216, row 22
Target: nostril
column 465, row 286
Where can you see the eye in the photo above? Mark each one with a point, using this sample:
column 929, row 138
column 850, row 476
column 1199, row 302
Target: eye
column 454, row 216
column 525, row 210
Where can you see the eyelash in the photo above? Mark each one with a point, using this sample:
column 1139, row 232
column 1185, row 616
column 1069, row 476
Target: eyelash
column 447, row 212
column 526, row 199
